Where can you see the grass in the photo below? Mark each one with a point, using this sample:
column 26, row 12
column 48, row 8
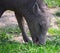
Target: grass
column 15, row 47
column 7, row 46
column 54, row 31
column 11, row 29
column 53, row 3
column 57, row 14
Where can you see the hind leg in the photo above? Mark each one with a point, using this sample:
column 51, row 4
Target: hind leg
column 1, row 12
column 20, row 22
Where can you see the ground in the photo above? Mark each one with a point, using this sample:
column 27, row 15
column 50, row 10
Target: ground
column 8, row 19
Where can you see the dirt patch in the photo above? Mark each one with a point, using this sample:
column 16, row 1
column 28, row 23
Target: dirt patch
column 8, row 18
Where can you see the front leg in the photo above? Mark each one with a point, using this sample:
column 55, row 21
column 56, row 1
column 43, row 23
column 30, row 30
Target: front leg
column 21, row 25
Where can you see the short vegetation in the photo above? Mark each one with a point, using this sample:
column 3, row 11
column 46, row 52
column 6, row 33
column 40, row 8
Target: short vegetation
column 52, row 44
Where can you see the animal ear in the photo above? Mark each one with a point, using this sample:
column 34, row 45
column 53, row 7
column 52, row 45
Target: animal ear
column 36, row 9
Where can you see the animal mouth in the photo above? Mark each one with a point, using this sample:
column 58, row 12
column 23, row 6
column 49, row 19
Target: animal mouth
column 37, row 40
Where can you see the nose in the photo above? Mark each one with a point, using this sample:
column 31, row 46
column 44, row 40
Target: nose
column 39, row 40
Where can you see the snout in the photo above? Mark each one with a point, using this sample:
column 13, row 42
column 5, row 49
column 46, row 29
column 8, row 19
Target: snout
column 40, row 40
column 39, row 33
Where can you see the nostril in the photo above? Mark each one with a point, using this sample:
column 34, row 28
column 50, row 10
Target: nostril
column 37, row 40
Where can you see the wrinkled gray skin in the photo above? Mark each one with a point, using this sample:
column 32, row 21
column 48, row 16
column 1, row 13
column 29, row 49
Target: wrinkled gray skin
column 34, row 14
